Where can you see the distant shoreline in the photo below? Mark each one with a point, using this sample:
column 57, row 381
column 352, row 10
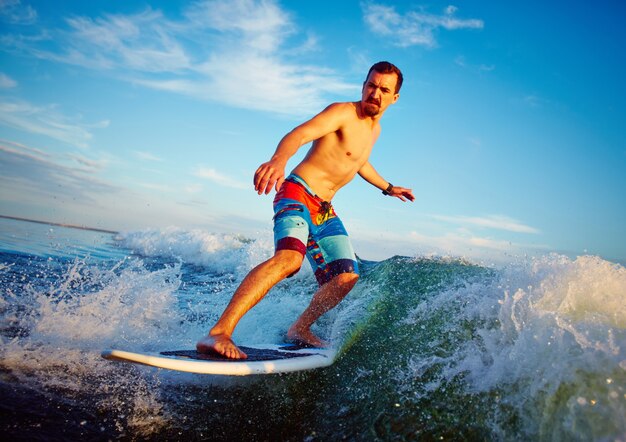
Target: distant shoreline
column 71, row 226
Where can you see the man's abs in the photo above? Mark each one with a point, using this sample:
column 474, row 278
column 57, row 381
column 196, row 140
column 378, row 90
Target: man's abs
column 323, row 182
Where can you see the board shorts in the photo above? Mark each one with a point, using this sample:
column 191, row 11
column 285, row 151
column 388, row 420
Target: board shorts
column 305, row 223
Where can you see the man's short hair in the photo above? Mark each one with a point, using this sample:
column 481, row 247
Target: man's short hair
column 384, row 67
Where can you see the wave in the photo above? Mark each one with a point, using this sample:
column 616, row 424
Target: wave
column 223, row 253
column 429, row 348
column 538, row 346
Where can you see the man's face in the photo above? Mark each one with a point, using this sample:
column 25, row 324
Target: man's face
column 379, row 91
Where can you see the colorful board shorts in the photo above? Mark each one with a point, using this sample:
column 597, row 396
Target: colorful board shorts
column 305, row 223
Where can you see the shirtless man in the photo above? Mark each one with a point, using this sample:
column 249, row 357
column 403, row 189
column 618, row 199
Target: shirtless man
column 343, row 136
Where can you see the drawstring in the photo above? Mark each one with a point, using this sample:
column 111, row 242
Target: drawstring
column 325, row 212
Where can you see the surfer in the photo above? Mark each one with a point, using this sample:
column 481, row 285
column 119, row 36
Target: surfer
column 305, row 222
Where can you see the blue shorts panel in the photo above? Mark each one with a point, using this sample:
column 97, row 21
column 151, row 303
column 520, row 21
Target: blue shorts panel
column 326, row 245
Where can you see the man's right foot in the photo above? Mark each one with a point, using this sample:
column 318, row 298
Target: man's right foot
column 221, row 344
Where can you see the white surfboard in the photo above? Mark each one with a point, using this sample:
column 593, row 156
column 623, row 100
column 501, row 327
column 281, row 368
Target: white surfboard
column 262, row 359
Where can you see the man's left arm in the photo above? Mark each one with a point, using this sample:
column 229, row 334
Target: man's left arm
column 369, row 174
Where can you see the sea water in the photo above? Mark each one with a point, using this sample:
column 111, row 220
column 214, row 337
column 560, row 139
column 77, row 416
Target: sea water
column 430, row 348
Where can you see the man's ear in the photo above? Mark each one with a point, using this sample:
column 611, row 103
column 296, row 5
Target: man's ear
column 395, row 98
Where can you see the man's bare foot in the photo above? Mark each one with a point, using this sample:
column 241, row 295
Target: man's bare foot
column 221, row 344
column 305, row 337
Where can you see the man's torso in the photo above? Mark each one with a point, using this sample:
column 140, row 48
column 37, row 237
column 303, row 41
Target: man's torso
column 336, row 158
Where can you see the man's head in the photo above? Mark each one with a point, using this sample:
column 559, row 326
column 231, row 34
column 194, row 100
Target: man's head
column 384, row 67
column 380, row 88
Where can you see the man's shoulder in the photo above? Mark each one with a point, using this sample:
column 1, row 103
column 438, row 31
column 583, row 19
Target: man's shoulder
column 343, row 106
column 341, row 109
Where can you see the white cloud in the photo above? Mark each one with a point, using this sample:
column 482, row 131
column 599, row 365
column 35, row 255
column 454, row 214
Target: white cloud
column 156, row 187
column 233, row 52
column 48, row 121
column 413, row 28
column 262, row 24
column 372, row 244
column 90, row 165
column 29, row 173
column 193, row 188
column 462, row 62
column 44, row 120
column 15, row 13
column 142, row 42
column 471, row 245
column 219, row 178
column 6, row 82
column 497, row 222
column 534, row 100
column 147, row 156
column 254, row 81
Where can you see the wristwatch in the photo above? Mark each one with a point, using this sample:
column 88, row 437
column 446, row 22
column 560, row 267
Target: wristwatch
column 388, row 189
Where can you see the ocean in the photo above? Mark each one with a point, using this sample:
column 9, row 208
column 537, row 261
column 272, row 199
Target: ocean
column 429, row 348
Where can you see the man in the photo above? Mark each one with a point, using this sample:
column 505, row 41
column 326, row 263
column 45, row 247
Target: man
column 343, row 136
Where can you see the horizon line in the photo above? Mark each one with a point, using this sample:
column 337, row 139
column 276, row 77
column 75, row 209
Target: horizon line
column 51, row 223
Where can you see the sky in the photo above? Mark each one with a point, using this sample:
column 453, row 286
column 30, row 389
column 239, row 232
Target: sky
column 510, row 126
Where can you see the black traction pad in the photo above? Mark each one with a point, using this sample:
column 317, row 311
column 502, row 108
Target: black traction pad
column 254, row 354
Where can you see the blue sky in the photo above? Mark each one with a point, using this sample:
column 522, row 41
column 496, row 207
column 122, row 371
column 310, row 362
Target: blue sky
column 510, row 127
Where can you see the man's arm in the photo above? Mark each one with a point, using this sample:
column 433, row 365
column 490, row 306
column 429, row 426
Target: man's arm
column 272, row 173
column 369, row 174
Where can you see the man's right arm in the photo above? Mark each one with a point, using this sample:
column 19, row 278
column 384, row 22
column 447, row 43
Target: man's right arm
column 272, row 173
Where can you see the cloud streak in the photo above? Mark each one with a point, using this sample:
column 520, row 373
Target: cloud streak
column 232, row 52
column 220, row 179
column 461, row 243
column 474, row 246
column 413, row 28
column 13, row 12
column 30, row 174
column 140, row 42
column 496, row 222
column 48, row 121
column 6, row 82
column 147, row 156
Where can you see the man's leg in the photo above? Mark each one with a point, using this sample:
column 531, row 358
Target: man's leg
column 251, row 290
column 326, row 298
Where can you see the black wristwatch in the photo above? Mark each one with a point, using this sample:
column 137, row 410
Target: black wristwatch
column 388, row 189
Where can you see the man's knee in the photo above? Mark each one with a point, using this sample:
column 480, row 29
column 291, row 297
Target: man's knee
column 347, row 280
column 289, row 261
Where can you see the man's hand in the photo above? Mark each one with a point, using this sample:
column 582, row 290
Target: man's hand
column 402, row 193
column 268, row 175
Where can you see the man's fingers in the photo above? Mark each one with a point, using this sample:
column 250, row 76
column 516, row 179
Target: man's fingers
column 267, row 183
column 258, row 177
column 275, row 181
column 405, row 194
column 266, row 177
column 261, row 178
column 279, row 182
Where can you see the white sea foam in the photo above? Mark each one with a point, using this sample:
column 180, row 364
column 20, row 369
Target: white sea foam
column 86, row 307
column 553, row 341
column 217, row 252
column 236, row 256
column 69, row 320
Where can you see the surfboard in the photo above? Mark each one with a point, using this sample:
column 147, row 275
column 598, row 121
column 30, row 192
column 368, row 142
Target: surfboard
column 262, row 359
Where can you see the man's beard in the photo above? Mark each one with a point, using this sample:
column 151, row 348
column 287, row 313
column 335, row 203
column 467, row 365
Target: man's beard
column 371, row 109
